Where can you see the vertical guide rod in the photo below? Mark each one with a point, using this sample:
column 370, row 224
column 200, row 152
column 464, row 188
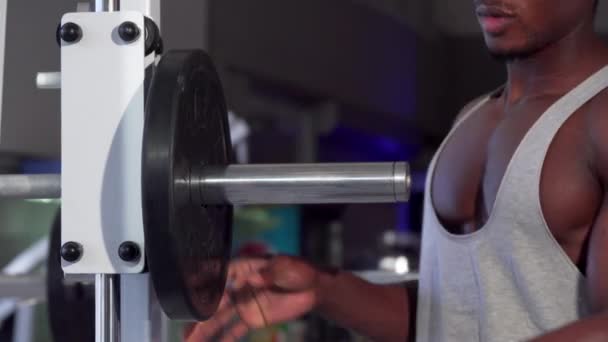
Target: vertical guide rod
column 3, row 10
column 107, row 286
column 105, row 5
column 107, row 308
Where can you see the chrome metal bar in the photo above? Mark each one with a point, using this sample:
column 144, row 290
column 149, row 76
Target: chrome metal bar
column 105, row 5
column 30, row 186
column 107, row 308
column 263, row 184
column 28, row 287
column 302, row 183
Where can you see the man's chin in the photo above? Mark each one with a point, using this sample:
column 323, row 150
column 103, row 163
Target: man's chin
column 503, row 54
column 505, row 51
column 498, row 49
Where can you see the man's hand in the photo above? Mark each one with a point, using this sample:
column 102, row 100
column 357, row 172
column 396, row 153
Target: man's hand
column 260, row 292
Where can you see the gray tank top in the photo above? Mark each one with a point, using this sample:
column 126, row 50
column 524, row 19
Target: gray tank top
column 510, row 280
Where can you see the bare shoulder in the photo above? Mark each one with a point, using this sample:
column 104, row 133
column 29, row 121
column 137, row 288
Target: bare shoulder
column 469, row 107
column 597, row 128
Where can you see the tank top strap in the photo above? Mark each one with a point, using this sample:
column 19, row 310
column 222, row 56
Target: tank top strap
column 521, row 181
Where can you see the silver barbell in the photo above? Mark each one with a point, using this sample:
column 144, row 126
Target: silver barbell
column 263, row 184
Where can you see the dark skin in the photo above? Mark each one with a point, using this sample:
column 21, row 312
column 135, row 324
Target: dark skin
column 549, row 47
column 564, row 52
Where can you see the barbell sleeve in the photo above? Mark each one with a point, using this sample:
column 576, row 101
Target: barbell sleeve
column 302, row 183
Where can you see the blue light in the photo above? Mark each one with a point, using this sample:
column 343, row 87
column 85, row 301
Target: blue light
column 403, row 217
column 348, row 144
column 38, row 166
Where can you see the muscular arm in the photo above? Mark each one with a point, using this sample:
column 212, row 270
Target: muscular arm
column 383, row 313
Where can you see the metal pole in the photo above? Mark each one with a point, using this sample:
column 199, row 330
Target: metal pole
column 302, row 183
column 30, row 186
column 263, row 184
column 107, row 286
column 22, row 288
column 105, row 5
column 3, row 10
column 107, row 308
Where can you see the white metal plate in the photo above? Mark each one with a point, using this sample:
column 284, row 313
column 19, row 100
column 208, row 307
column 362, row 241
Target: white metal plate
column 102, row 118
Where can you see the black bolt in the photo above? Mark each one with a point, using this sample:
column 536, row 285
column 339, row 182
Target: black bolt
column 71, row 251
column 129, row 251
column 128, row 31
column 70, row 32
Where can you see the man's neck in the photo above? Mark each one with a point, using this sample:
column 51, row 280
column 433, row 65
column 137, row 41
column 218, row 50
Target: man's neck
column 557, row 68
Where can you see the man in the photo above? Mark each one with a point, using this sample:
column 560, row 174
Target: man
column 515, row 236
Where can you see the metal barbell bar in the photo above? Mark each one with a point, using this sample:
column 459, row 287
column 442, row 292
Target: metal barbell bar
column 263, row 184
column 303, row 183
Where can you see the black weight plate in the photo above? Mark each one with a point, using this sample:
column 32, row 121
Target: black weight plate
column 187, row 244
column 71, row 305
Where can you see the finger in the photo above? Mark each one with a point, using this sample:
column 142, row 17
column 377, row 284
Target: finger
column 198, row 334
column 258, row 281
column 248, row 307
column 256, row 300
column 222, row 317
column 256, row 264
column 187, row 331
column 238, row 331
column 254, row 275
column 210, row 328
column 240, row 270
column 247, row 274
column 247, row 265
column 224, row 302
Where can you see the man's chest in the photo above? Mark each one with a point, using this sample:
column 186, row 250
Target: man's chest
column 470, row 173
